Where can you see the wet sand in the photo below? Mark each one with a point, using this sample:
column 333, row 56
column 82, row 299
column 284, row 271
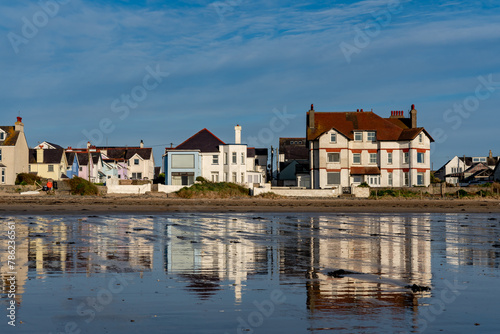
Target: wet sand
column 67, row 204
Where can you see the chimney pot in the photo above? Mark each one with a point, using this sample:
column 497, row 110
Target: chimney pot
column 361, row 110
column 357, row 110
column 312, row 106
column 19, row 119
column 412, row 107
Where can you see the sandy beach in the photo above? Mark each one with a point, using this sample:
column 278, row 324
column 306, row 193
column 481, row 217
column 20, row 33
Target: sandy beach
column 154, row 203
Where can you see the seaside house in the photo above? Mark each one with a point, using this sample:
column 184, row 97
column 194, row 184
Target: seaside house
column 293, row 163
column 496, row 172
column 206, row 155
column 136, row 163
column 73, row 165
column 49, row 163
column 14, row 152
column 455, row 169
column 348, row 148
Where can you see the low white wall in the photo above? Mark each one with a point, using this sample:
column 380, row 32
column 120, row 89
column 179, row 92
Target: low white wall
column 362, row 192
column 142, row 189
column 298, row 192
column 163, row 188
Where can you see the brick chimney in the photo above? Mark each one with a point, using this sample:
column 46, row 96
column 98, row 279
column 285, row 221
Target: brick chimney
column 19, row 125
column 237, row 134
column 413, row 116
column 490, row 155
column 141, row 145
column 310, row 120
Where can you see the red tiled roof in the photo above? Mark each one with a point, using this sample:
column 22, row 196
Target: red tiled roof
column 347, row 122
column 365, row 171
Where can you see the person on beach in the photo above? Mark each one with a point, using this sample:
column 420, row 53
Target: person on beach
column 49, row 185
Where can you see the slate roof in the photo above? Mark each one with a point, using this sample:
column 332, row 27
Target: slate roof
column 261, row 151
column 11, row 136
column 250, row 152
column 491, row 162
column 293, row 151
column 52, row 156
column 388, row 129
column 70, row 157
column 83, row 158
column 126, row 153
column 203, row 140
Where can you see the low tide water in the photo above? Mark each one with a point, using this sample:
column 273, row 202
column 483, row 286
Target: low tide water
column 252, row 273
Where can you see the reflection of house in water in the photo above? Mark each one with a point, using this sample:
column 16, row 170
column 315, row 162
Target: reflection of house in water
column 21, row 259
column 221, row 250
column 388, row 252
column 86, row 246
column 462, row 241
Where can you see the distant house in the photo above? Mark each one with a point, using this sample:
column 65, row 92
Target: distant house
column 136, row 163
column 348, row 148
column 457, row 169
column 48, row 163
column 206, row 155
column 293, row 163
column 89, row 165
column 13, row 152
column 496, row 172
column 73, row 165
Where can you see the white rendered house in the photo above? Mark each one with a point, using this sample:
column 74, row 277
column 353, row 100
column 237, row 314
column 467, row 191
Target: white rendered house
column 348, row 148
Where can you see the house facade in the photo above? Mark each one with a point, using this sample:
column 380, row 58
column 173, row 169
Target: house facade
column 206, row 155
column 14, row 152
column 457, row 169
column 293, row 163
column 48, row 163
column 349, row 148
column 73, row 165
column 135, row 163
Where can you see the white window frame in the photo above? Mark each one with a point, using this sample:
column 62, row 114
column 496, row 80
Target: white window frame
column 389, row 179
column 242, row 159
column 136, row 162
column 215, row 159
column 353, row 160
column 215, row 176
column 420, row 138
column 225, row 158
column 0, row 154
column 234, row 158
column 406, row 179
column 420, row 158
column 406, row 157
column 331, row 157
column 374, row 180
column 372, row 136
column 373, row 161
column 242, row 177
column 422, row 176
column 333, row 137
column 234, row 179
column 339, row 178
column 3, row 175
column 356, row 134
column 50, row 168
column 2, row 135
column 389, row 158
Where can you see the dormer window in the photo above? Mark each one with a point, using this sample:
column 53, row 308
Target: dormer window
column 136, row 162
column 2, row 135
column 358, row 136
column 420, row 138
column 333, row 137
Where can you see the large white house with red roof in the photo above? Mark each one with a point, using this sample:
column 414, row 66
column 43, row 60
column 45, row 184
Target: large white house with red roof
column 204, row 154
column 348, row 148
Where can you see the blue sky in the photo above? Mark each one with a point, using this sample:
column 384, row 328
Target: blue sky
column 69, row 68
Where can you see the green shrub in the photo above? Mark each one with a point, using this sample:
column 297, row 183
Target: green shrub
column 364, row 185
column 26, row 178
column 82, row 187
column 462, row 193
column 208, row 189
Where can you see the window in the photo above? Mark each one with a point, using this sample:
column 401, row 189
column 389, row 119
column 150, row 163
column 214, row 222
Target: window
column 215, row 177
column 242, row 160
column 356, row 158
column 333, row 137
column 333, row 178
column 182, row 161
column 373, row 158
column 0, row 154
column 225, row 177
column 374, row 180
column 420, row 179
column 136, row 162
column 69, row 168
column 234, row 177
column 406, row 157
column 138, row 176
column 81, row 169
column 234, row 158
column 2, row 135
column 225, row 158
column 3, row 175
column 358, row 136
column 421, row 138
column 51, row 168
column 215, row 159
column 406, row 179
column 475, row 159
column 333, row 157
column 389, row 158
column 242, row 177
column 29, row 168
column 389, row 179
column 371, row 136
column 357, row 179
column 421, row 158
